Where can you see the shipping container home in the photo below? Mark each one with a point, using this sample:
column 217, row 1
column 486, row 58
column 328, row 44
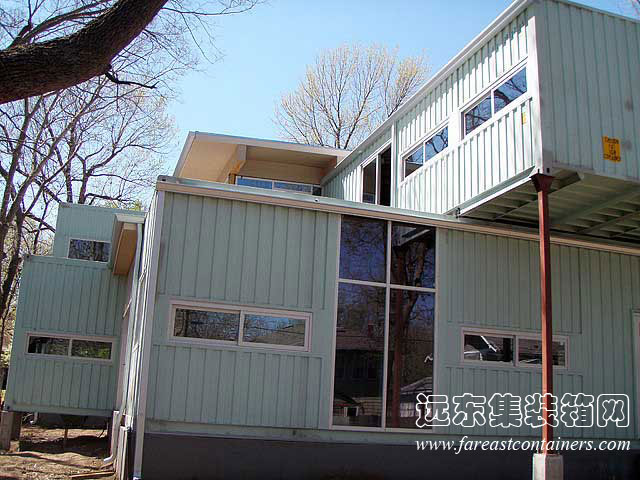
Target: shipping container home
column 282, row 309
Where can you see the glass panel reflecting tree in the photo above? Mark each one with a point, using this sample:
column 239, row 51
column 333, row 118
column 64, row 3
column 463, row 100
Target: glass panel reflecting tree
column 89, row 250
column 357, row 396
column 510, row 90
column 209, row 324
column 477, row 115
column 410, row 355
column 91, row 349
column 273, row 330
column 436, row 144
column 363, row 246
column 413, row 259
column 369, row 182
column 414, row 161
column 48, row 346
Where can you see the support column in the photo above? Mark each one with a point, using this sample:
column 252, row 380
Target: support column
column 6, row 429
column 546, row 464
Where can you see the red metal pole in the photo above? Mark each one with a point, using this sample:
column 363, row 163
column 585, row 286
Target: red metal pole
column 543, row 185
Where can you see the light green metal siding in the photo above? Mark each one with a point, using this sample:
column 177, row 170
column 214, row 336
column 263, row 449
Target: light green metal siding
column 493, row 282
column 244, row 254
column 69, row 297
column 84, row 222
column 505, row 49
column 494, row 153
column 590, row 68
column 346, row 185
column 500, row 151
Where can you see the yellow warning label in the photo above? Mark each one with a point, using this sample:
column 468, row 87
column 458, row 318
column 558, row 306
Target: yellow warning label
column 611, row 149
column 524, row 117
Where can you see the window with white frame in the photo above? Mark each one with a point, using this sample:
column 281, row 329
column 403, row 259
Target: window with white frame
column 495, row 101
column 512, row 349
column 93, row 250
column 376, row 178
column 385, row 321
column 309, row 188
column 76, row 347
column 431, row 147
column 241, row 326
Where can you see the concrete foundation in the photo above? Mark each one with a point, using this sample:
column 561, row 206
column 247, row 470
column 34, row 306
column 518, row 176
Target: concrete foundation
column 547, row 467
column 173, row 456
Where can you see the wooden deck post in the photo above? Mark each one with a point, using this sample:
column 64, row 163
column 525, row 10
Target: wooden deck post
column 542, row 184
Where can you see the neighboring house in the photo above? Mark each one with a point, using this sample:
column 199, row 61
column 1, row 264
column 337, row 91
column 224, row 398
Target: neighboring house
column 272, row 332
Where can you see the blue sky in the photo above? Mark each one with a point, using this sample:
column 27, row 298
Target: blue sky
column 266, row 51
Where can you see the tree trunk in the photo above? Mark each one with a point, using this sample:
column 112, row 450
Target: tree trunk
column 38, row 68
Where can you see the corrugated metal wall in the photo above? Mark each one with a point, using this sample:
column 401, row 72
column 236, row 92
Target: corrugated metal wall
column 497, row 152
column 346, row 184
column 83, row 222
column 244, row 254
column 72, row 297
column 506, row 49
column 493, row 282
column 589, row 87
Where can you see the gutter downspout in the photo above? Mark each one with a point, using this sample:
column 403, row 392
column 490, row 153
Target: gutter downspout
column 147, row 324
column 133, row 308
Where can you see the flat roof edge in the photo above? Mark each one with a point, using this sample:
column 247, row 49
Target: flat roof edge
column 332, row 205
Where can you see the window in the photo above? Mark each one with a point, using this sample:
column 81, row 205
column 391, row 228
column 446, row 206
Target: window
column 426, row 151
column 279, row 185
column 382, row 262
column 376, row 179
column 91, row 349
column 414, row 161
column 89, row 250
column 509, row 90
column 87, row 348
column 512, row 349
column 477, row 115
column 530, row 352
column 274, row 330
column 488, row 348
column 499, row 98
column 48, row 345
column 242, row 326
column 220, row 325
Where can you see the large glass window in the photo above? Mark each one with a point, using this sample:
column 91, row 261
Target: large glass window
column 413, row 259
column 410, row 353
column 383, row 262
column 359, row 348
column 363, row 249
column 89, row 250
column 242, row 326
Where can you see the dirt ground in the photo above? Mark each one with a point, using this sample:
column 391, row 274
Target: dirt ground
column 39, row 454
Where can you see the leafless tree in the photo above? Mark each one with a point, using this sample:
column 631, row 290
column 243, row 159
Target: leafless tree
column 101, row 141
column 346, row 93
